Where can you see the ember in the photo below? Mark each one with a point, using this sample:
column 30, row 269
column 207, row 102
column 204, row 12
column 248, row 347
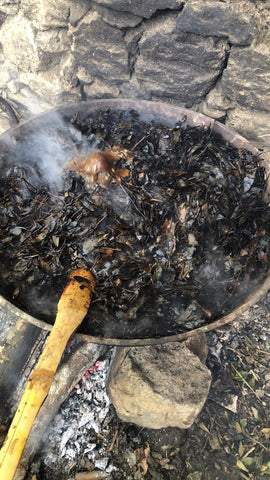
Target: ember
column 178, row 239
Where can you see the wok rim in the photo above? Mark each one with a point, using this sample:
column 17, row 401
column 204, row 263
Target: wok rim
column 171, row 113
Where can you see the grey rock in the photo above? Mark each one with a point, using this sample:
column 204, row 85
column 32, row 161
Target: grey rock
column 101, row 49
column 132, row 37
column 252, row 124
column 10, row 7
column 246, row 79
column 77, row 11
column 143, row 9
column 182, row 66
column 53, row 49
column 2, row 17
column 100, row 89
column 84, row 76
column 232, row 20
column 158, row 386
column 116, row 18
column 135, row 89
column 31, row 50
column 4, row 123
column 216, row 104
column 18, row 42
column 55, row 85
column 14, row 86
column 7, row 72
column 46, row 14
column 53, row 41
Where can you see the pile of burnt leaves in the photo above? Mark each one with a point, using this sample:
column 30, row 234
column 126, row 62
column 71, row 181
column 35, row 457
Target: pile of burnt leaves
column 180, row 239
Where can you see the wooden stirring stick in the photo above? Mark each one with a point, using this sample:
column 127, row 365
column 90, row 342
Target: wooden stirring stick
column 71, row 310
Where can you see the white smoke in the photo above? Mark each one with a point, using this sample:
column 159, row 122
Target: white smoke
column 52, row 145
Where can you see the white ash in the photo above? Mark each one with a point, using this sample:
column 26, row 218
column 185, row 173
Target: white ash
column 71, row 436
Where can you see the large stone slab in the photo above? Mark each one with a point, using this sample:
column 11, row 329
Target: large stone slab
column 100, row 49
column 144, row 9
column 246, row 79
column 29, row 49
column 158, row 386
column 232, row 20
column 56, row 85
column 179, row 66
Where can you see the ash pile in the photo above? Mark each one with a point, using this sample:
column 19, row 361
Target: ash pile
column 77, row 438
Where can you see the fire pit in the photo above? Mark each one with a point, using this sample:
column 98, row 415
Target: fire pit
column 176, row 233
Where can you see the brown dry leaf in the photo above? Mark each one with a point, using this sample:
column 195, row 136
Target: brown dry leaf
column 166, row 226
column 146, row 450
column 141, row 458
column 98, row 167
column 107, row 252
column 143, row 464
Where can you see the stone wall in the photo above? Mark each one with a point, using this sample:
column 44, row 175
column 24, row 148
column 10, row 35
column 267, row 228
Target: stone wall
column 209, row 55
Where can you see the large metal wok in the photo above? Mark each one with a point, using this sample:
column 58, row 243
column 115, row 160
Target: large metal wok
column 168, row 115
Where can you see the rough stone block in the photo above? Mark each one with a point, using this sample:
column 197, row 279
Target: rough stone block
column 55, row 85
column 77, row 11
column 158, row 386
column 47, row 13
column 100, row 48
column 117, row 19
column 10, row 7
column 252, row 124
column 143, row 9
column 216, row 104
column 2, row 17
column 232, row 20
column 53, row 41
column 246, row 79
column 18, row 42
column 100, row 89
column 30, row 50
column 180, row 66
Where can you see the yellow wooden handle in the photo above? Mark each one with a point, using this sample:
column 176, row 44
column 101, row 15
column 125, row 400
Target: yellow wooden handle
column 71, row 310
